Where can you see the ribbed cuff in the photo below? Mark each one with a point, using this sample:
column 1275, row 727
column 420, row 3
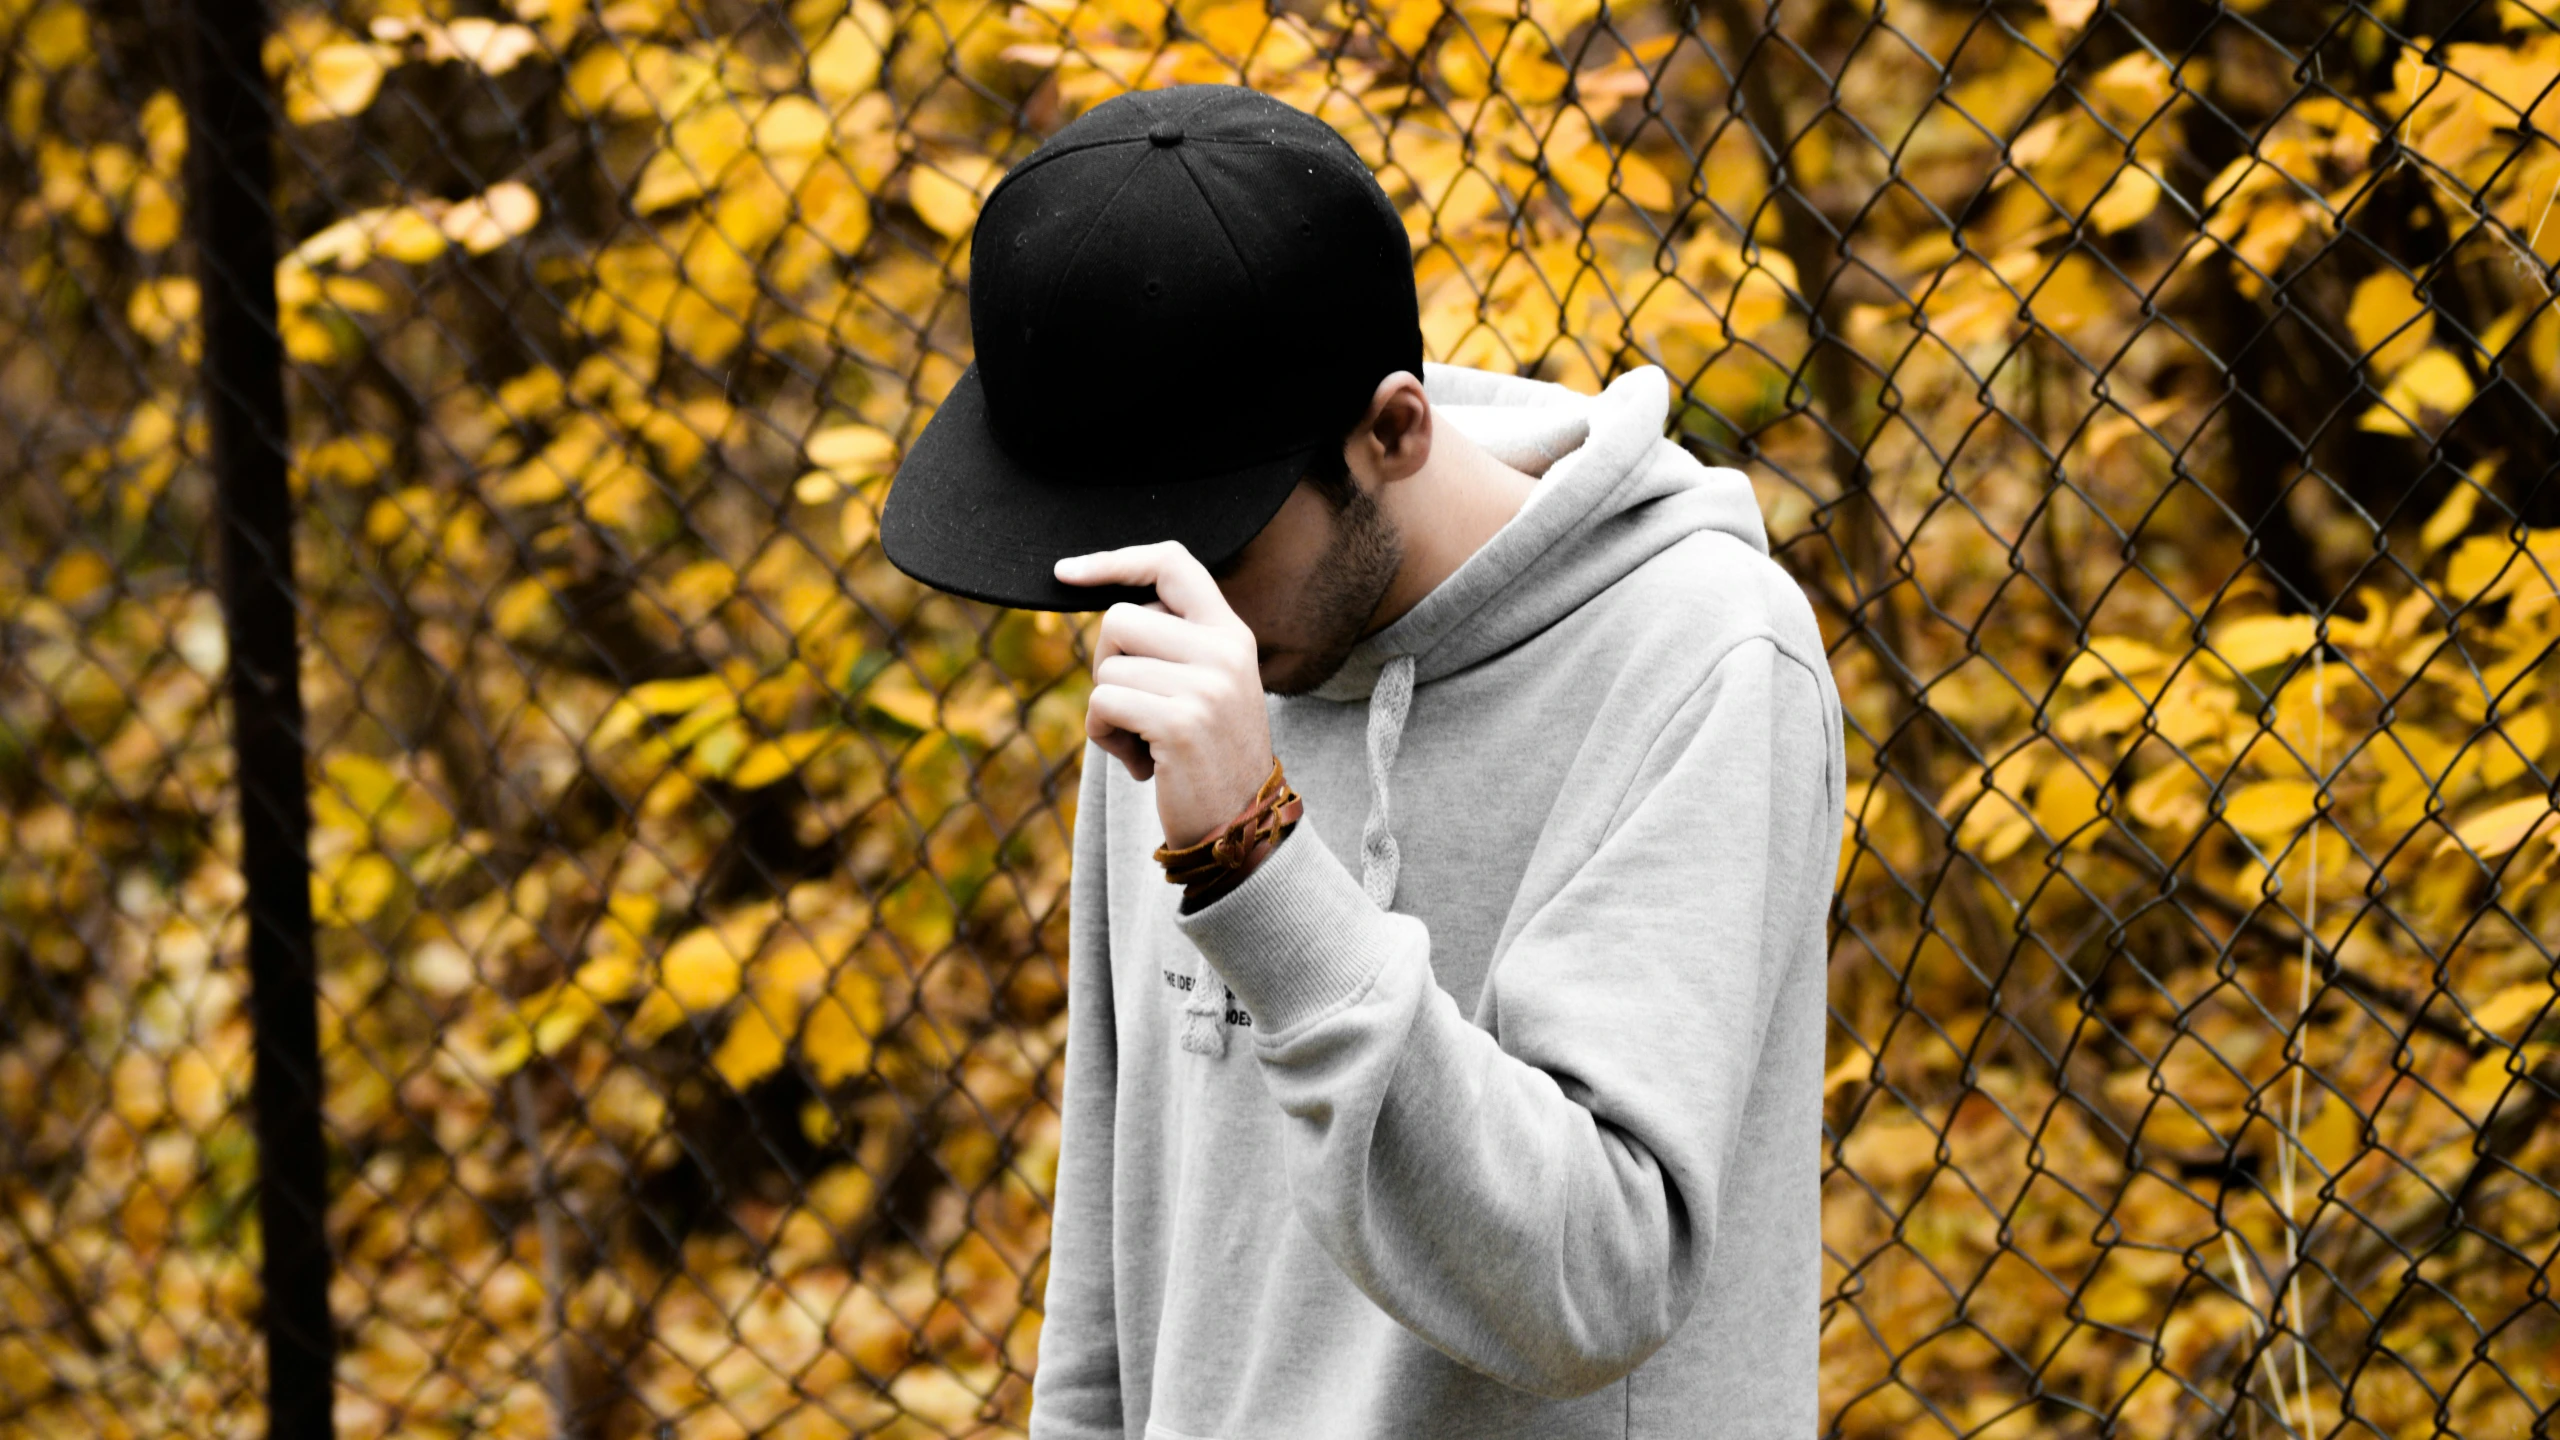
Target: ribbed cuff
column 1297, row 938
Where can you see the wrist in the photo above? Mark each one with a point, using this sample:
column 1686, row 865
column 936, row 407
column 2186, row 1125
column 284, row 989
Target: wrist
column 1196, row 898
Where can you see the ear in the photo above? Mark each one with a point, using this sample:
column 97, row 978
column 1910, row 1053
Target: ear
column 1393, row 439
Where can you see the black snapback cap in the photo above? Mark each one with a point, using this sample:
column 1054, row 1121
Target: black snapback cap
column 1178, row 302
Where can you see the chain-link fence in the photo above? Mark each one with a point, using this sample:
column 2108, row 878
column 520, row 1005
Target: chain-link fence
column 2154, row 397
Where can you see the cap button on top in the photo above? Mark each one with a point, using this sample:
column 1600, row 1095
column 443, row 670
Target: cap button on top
column 1163, row 133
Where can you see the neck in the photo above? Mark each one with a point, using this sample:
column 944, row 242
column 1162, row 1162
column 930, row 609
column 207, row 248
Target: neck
column 1445, row 512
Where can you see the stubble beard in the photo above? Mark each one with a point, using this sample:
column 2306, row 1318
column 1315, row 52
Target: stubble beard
column 1343, row 592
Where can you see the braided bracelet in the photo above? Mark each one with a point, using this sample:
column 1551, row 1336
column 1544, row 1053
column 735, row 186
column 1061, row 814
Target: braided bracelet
column 1220, row 860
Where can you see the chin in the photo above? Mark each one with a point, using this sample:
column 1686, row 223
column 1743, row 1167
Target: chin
column 1284, row 679
column 1302, row 676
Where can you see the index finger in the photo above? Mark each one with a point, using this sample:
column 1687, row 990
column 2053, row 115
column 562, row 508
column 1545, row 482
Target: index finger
column 1180, row 580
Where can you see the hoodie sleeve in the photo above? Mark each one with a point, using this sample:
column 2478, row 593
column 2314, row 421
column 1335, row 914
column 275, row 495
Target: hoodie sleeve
column 1542, row 1207
column 1075, row 1389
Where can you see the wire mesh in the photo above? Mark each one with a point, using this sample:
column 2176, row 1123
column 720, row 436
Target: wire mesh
column 2155, row 398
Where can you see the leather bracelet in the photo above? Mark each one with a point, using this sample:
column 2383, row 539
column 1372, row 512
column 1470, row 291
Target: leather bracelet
column 1219, row 860
column 1200, row 893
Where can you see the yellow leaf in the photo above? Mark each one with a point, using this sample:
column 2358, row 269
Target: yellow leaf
column 1527, row 75
column 484, row 222
column 160, row 309
column 2109, row 712
column 441, row 969
column 559, row 1021
column 717, row 747
column 1857, row 1067
column 630, row 80
column 847, row 62
column 151, row 216
column 78, row 575
column 523, row 608
column 54, row 37
column 941, row 1401
column 609, row 977
column 699, row 150
column 2487, row 1079
column 1463, row 68
column 2508, row 1006
column 2075, row 296
column 2122, row 1294
column 2335, row 1136
column 2117, row 427
column 366, row 785
column 408, row 235
column 2485, row 567
column 195, row 1091
column 347, row 459
column 774, row 759
column 342, row 78
column 2259, row 641
column 838, row 1037
column 359, row 297
column 2270, row 810
column 2451, row 518
column 895, row 693
column 853, row 450
column 480, row 42
column 1409, row 22
column 505, row 1054
column 2169, row 798
column 355, row 892
column 792, row 125
column 2109, row 655
column 859, row 525
column 701, row 970
column 347, row 242
column 2135, row 87
column 1231, row 28
column 2520, row 736
column 2411, row 762
column 2435, row 381
column 2132, row 195
column 1889, row 1150
column 2493, row 832
column 2066, row 803
column 310, row 341
column 681, row 694
column 2388, row 320
column 2070, row 14
column 946, row 193
column 753, row 1047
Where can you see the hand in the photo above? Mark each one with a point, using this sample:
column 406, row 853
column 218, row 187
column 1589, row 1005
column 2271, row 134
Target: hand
column 1176, row 686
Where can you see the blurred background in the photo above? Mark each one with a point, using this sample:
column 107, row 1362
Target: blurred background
column 2154, row 397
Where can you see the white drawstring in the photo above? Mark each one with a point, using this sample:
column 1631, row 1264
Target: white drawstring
column 1204, row 1015
column 1388, row 703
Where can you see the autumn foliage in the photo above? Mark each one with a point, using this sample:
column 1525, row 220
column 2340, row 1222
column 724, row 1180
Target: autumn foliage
column 2155, row 397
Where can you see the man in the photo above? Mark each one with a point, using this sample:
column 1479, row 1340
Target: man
column 1510, row 1125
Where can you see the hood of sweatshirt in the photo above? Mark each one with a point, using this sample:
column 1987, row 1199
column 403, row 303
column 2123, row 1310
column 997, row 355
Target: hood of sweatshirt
column 1612, row 492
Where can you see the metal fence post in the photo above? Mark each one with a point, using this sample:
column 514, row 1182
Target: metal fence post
column 230, row 139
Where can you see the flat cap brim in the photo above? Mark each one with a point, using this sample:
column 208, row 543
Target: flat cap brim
column 965, row 517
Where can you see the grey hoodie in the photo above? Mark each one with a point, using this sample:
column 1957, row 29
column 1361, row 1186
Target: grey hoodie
column 1490, row 1104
